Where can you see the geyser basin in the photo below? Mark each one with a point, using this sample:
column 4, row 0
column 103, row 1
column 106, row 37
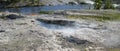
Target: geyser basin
column 59, row 25
column 84, row 31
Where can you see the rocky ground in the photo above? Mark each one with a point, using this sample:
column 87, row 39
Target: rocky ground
column 62, row 2
column 24, row 3
column 26, row 33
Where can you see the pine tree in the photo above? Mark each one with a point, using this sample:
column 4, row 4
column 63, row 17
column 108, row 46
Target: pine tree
column 98, row 4
column 108, row 4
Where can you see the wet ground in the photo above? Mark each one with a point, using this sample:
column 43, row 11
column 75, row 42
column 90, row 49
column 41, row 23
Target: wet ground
column 47, row 32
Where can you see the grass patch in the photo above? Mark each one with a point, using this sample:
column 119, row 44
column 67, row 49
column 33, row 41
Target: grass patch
column 112, row 16
column 113, row 49
column 98, row 18
column 104, row 16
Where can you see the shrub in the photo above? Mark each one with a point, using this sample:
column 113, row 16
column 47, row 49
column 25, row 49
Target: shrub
column 108, row 5
column 72, row 3
column 83, row 3
column 45, row 12
column 98, row 4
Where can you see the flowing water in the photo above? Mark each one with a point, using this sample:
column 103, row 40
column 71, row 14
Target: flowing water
column 29, row 10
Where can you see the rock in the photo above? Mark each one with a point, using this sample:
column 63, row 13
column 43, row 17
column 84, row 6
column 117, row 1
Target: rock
column 13, row 16
column 60, row 12
column 7, row 15
column 2, row 31
column 77, row 40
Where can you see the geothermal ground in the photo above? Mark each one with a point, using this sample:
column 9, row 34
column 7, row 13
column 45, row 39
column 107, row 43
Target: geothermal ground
column 56, row 32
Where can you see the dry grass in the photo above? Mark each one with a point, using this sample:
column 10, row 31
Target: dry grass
column 102, row 16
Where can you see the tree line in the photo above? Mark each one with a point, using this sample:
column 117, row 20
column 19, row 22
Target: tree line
column 16, row 1
column 106, row 4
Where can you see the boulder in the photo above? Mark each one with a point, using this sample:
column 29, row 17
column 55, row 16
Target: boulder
column 10, row 16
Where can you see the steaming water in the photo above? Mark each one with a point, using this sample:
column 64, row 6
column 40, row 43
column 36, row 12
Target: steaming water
column 85, row 31
column 67, row 30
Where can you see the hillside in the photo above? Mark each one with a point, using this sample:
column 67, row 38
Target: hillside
column 57, row 2
column 48, row 2
column 42, row 2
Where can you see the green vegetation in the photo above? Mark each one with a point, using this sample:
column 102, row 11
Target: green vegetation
column 82, row 3
column 46, row 12
column 21, row 3
column 12, row 1
column 60, row 1
column 108, row 5
column 98, row 18
column 98, row 4
column 15, row 1
column 71, row 3
column 112, row 49
column 104, row 16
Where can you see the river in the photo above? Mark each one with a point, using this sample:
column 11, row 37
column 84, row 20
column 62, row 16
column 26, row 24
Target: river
column 30, row 10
